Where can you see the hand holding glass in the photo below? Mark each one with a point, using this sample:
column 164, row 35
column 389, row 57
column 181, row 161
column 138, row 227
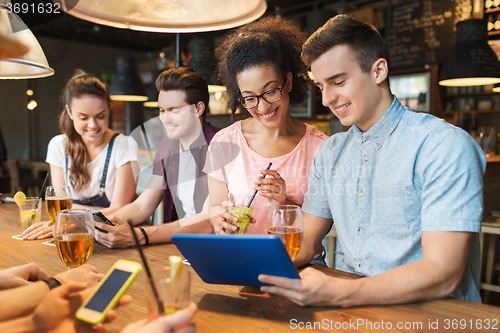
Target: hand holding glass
column 241, row 211
column 285, row 221
column 57, row 198
column 74, row 236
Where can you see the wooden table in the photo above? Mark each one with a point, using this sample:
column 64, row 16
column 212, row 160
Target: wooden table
column 224, row 308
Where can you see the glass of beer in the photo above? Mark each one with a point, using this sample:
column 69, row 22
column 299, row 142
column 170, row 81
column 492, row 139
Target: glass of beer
column 285, row 221
column 57, row 198
column 74, row 236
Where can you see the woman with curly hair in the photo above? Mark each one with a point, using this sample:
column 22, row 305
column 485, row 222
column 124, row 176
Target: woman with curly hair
column 96, row 162
column 261, row 67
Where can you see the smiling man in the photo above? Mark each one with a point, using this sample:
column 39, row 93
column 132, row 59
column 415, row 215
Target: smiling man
column 178, row 178
column 404, row 189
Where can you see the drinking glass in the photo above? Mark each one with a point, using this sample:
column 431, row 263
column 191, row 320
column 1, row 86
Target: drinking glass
column 242, row 211
column 57, row 198
column 74, row 236
column 285, row 221
column 173, row 291
column 30, row 212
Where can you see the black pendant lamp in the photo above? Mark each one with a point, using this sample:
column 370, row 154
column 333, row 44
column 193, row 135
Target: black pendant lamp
column 127, row 85
column 472, row 61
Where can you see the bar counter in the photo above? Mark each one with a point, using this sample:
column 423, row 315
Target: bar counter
column 225, row 308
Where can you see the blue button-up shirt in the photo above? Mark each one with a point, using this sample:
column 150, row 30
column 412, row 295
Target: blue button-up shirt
column 410, row 172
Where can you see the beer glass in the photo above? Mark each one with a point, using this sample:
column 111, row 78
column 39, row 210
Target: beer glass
column 57, row 198
column 74, row 236
column 285, row 221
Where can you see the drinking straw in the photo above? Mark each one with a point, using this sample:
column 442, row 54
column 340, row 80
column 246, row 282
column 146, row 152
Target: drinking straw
column 255, row 192
column 146, row 267
column 44, row 183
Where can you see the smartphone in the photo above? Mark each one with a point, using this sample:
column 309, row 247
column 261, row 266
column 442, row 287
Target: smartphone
column 99, row 217
column 107, row 294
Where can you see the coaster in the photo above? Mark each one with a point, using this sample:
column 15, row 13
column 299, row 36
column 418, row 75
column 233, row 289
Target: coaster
column 50, row 242
column 20, row 237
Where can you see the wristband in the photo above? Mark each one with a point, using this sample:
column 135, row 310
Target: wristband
column 146, row 239
column 52, row 283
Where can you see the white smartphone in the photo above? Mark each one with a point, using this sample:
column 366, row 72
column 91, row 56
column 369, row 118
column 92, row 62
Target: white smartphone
column 107, row 294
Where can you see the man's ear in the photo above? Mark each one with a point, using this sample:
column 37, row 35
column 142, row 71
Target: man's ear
column 380, row 70
column 200, row 108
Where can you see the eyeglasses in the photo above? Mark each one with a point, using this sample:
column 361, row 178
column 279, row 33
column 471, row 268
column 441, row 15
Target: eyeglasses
column 269, row 96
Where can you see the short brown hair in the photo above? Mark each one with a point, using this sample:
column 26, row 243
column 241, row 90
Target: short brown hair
column 362, row 38
column 186, row 79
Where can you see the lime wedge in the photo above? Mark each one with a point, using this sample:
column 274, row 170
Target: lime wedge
column 20, row 198
column 176, row 267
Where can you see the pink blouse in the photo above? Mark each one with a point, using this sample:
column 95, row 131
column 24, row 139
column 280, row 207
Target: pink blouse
column 232, row 161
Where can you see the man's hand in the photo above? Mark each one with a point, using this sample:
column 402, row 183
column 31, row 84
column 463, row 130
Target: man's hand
column 118, row 236
column 309, row 290
column 39, row 230
column 181, row 321
column 85, row 274
column 21, row 275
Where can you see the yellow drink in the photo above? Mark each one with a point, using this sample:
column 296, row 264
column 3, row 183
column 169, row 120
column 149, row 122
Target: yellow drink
column 74, row 249
column 30, row 217
column 55, row 204
column 291, row 238
column 244, row 215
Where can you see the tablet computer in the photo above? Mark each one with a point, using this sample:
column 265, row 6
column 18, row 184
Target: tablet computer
column 235, row 259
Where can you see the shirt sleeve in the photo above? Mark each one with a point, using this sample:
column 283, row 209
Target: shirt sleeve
column 450, row 168
column 316, row 198
column 56, row 151
column 127, row 151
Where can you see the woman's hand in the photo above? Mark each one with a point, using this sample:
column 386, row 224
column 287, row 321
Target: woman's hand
column 40, row 230
column 273, row 187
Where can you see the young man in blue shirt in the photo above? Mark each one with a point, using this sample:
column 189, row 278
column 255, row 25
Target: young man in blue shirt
column 403, row 188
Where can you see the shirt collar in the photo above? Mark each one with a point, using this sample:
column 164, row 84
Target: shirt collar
column 379, row 132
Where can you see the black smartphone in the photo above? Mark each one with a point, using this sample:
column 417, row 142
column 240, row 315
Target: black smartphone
column 99, row 217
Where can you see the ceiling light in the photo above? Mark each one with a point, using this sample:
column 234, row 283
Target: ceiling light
column 18, row 39
column 472, row 61
column 166, row 15
column 126, row 84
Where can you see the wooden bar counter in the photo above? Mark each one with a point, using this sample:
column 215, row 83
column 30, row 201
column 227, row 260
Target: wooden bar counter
column 224, row 308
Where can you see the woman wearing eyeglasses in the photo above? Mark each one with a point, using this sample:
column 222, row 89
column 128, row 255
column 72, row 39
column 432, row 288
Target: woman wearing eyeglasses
column 261, row 67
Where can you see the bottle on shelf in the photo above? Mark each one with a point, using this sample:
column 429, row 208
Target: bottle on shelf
column 496, row 3
column 496, row 25
column 491, row 23
column 488, row 4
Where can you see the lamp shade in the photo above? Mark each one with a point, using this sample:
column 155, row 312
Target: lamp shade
column 127, row 85
column 21, row 65
column 472, row 61
column 166, row 15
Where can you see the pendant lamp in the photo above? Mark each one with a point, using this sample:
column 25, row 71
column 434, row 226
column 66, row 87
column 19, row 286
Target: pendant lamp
column 472, row 61
column 126, row 84
column 166, row 15
column 19, row 64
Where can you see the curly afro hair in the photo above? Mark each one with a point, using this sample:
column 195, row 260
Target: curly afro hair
column 269, row 41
